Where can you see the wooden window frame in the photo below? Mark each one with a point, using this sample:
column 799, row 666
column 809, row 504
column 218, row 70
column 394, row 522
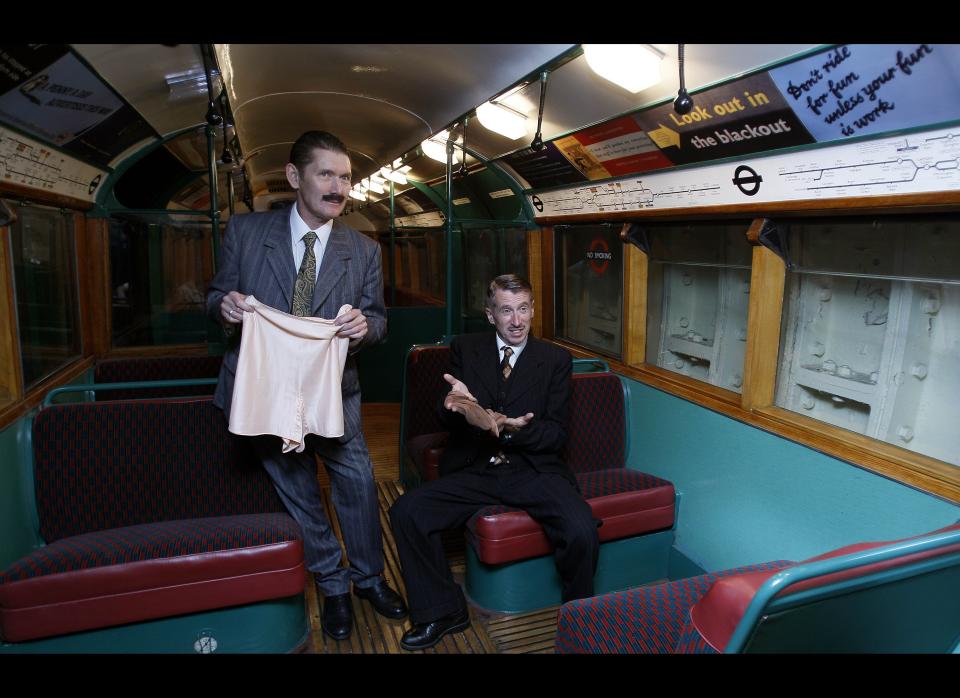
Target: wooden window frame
column 756, row 406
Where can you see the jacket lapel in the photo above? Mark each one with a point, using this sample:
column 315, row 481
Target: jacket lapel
column 332, row 267
column 526, row 371
column 279, row 255
column 487, row 366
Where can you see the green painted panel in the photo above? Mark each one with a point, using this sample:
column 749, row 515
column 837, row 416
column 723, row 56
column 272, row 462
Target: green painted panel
column 528, row 585
column 278, row 625
column 381, row 366
column 750, row 496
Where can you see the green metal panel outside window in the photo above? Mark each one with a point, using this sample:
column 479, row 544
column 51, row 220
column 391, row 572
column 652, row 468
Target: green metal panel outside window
column 698, row 300
column 589, row 286
column 871, row 329
column 45, row 279
column 160, row 268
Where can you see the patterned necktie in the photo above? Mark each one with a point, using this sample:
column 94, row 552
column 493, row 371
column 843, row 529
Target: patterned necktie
column 306, row 279
column 505, row 364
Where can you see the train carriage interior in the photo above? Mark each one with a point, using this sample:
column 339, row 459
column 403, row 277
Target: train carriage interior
column 751, row 251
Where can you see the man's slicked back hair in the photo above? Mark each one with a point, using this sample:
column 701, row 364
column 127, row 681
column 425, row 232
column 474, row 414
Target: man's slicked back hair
column 507, row 282
column 301, row 154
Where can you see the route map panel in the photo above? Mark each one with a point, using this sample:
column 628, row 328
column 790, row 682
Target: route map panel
column 28, row 163
column 915, row 163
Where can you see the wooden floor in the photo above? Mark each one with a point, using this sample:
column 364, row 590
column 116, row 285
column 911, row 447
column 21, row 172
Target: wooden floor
column 489, row 633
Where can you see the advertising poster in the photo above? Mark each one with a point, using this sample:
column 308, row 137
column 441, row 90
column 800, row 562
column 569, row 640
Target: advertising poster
column 47, row 92
column 740, row 117
column 546, row 168
column 612, row 149
column 856, row 90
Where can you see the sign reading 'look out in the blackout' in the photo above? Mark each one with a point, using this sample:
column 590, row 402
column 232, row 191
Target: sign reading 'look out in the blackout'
column 746, row 116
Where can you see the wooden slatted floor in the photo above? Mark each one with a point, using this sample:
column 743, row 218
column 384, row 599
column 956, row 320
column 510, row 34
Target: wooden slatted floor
column 489, row 633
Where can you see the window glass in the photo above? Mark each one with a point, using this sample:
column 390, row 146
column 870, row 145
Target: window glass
column 160, row 268
column 488, row 253
column 45, row 281
column 871, row 329
column 698, row 299
column 419, row 266
column 589, row 286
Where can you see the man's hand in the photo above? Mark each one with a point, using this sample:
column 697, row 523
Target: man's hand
column 233, row 306
column 505, row 423
column 458, row 386
column 353, row 325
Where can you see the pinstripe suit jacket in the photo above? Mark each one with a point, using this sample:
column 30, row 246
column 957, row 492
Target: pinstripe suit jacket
column 257, row 259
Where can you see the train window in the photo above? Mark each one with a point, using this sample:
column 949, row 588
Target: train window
column 160, row 267
column 489, row 252
column 698, row 299
column 871, row 329
column 589, row 286
column 419, row 267
column 47, row 296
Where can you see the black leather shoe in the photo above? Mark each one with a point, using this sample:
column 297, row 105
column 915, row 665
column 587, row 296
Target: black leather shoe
column 425, row 635
column 387, row 602
column 337, row 617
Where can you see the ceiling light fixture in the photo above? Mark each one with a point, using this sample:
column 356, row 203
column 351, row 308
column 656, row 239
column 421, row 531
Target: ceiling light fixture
column 633, row 67
column 393, row 175
column 435, row 147
column 503, row 120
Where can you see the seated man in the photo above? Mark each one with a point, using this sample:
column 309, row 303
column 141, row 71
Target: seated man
column 509, row 456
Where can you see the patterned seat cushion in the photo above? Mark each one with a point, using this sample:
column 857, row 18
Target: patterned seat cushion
column 115, row 464
column 652, row 619
column 156, row 368
column 135, row 573
column 627, row 502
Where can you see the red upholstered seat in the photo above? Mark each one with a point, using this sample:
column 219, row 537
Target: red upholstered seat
column 627, row 502
column 138, row 573
column 718, row 613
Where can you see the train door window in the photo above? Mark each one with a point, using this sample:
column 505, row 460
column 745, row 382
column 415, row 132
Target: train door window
column 589, row 287
column 419, row 267
column 160, row 267
column 871, row 329
column 698, row 300
column 489, row 252
column 47, row 296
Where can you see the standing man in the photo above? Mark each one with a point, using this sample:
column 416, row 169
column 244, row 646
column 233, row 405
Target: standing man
column 524, row 384
column 261, row 256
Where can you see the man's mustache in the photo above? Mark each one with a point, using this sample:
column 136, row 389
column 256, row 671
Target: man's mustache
column 335, row 198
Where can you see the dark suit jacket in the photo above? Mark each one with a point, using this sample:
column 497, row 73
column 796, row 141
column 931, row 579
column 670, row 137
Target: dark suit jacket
column 257, row 258
column 539, row 383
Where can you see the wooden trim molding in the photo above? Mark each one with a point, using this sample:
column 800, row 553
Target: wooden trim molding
column 635, row 279
column 767, row 281
column 535, row 274
column 17, row 192
column 34, row 397
column 11, row 378
column 546, row 298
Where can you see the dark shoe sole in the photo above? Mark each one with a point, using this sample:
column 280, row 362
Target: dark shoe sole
column 455, row 629
column 344, row 636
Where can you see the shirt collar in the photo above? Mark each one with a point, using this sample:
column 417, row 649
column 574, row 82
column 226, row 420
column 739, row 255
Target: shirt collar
column 298, row 229
column 516, row 350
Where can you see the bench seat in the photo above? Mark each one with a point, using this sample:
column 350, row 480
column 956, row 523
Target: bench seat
column 626, row 502
column 153, row 514
column 154, row 570
column 889, row 596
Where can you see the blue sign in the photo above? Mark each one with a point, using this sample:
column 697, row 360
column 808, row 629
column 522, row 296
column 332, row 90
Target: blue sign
column 855, row 90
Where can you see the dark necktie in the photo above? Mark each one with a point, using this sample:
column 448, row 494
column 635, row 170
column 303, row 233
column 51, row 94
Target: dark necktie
column 500, row 457
column 505, row 364
column 306, row 279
